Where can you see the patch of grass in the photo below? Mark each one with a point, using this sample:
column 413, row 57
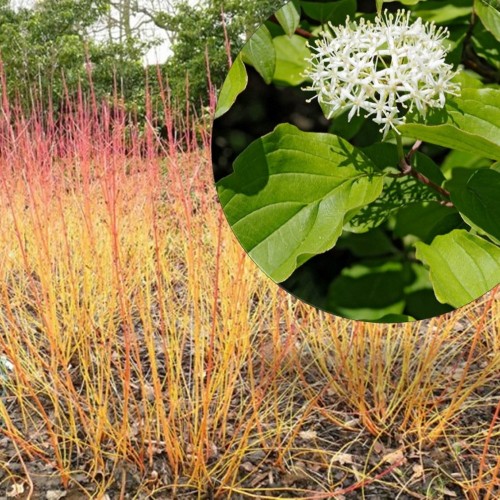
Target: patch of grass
column 151, row 358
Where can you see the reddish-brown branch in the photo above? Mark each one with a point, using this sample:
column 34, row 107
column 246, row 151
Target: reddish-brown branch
column 407, row 169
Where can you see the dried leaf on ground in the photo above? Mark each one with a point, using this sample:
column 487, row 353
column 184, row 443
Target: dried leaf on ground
column 342, row 458
column 394, row 457
column 15, row 490
column 308, row 435
column 55, row 494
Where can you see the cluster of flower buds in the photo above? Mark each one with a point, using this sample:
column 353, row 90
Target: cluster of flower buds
column 386, row 68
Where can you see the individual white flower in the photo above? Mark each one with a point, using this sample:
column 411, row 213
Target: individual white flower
column 386, row 68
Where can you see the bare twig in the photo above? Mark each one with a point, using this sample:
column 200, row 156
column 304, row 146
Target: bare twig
column 407, row 169
column 413, row 150
column 471, row 60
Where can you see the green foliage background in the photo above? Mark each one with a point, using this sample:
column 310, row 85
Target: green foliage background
column 45, row 48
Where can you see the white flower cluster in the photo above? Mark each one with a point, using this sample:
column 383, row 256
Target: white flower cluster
column 384, row 68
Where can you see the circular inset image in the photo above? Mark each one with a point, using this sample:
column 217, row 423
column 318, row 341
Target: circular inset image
column 355, row 154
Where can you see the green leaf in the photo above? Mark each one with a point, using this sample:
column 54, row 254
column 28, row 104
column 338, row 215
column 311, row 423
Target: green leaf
column 380, row 3
column 291, row 55
column 468, row 79
column 444, row 11
column 290, row 194
column 426, row 166
column 486, row 47
column 368, row 291
column 462, row 266
column 489, row 13
column 420, row 219
column 259, row 52
column 398, row 192
column 469, row 123
column 394, row 318
column 477, row 197
column 335, row 12
column 346, row 129
column 421, row 302
column 445, row 225
column 289, row 17
column 463, row 159
column 234, row 84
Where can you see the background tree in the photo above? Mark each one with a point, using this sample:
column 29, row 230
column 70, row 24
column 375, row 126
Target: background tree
column 52, row 45
column 199, row 32
column 45, row 45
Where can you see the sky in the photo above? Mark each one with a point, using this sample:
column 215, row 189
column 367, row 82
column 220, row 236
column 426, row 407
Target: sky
column 156, row 55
